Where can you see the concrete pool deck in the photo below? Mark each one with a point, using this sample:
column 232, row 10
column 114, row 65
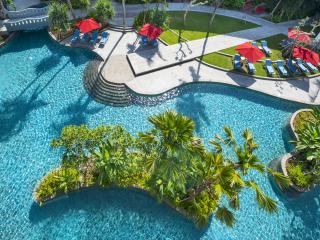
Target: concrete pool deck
column 161, row 80
column 302, row 91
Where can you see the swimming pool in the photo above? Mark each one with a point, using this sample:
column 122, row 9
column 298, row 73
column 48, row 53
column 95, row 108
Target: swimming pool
column 41, row 91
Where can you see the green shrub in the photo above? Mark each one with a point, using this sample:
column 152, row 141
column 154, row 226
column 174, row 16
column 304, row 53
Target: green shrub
column 58, row 16
column 80, row 4
column 142, row 18
column 103, row 11
column 297, row 176
column 156, row 17
column 56, row 182
column 233, row 3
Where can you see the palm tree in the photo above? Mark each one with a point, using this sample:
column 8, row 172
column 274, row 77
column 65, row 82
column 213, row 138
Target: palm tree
column 124, row 18
column 275, row 8
column 58, row 16
column 2, row 10
column 169, row 149
column 218, row 176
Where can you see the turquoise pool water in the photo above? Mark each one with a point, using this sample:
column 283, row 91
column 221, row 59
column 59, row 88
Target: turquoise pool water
column 41, row 91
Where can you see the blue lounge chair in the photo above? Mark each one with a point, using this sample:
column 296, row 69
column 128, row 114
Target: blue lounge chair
column 301, row 66
column 285, row 43
column 94, row 38
column 311, row 67
column 144, row 41
column 104, row 38
column 269, row 67
column 255, row 44
column 154, row 43
column 265, row 47
column 75, row 36
column 292, row 68
column 251, row 68
column 281, row 68
column 85, row 37
column 237, row 62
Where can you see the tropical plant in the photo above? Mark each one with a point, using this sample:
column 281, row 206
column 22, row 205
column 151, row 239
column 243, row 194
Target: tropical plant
column 169, row 160
column 116, row 159
column 58, row 16
column 58, row 181
column 183, row 171
column 170, row 150
column 219, row 176
column 80, row 4
column 289, row 9
column 308, row 146
column 103, row 10
column 297, row 176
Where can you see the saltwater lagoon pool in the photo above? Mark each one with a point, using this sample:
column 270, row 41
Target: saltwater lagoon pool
column 41, row 91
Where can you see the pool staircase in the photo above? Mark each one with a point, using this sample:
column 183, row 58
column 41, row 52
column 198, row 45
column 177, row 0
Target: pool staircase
column 103, row 91
column 27, row 19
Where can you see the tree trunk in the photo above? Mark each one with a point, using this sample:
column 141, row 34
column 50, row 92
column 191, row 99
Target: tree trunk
column 2, row 10
column 124, row 19
column 275, row 8
column 71, row 9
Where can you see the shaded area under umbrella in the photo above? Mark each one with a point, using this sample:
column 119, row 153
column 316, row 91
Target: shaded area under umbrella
column 306, row 55
column 250, row 52
column 150, row 31
column 87, row 25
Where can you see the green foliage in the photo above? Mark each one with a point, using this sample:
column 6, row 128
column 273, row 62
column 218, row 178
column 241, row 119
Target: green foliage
column 80, row 4
column 155, row 16
column 308, row 145
column 292, row 9
column 78, row 142
column 298, row 177
column 58, row 16
column 102, row 11
column 58, row 181
column 169, row 160
column 116, row 159
column 233, row 3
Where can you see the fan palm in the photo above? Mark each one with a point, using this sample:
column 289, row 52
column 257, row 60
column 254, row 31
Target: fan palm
column 58, row 16
column 170, row 149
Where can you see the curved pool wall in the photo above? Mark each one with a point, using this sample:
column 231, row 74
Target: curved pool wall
column 41, row 91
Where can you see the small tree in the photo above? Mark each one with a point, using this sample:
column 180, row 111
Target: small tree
column 103, row 10
column 58, row 16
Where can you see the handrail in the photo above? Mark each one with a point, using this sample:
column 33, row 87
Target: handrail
column 28, row 12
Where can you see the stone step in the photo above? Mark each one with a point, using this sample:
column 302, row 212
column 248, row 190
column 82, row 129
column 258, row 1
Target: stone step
column 103, row 91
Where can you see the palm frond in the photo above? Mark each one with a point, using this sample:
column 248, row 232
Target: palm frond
column 264, row 201
column 282, row 181
column 224, row 215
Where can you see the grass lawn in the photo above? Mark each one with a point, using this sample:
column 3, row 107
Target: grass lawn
column 197, row 26
column 226, row 62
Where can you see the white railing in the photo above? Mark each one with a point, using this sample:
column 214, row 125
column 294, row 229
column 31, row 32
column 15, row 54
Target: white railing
column 27, row 13
column 27, row 23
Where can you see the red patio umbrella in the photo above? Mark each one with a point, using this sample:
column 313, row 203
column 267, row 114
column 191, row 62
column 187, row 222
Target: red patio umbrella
column 306, row 55
column 250, row 52
column 150, row 31
column 87, row 25
column 299, row 35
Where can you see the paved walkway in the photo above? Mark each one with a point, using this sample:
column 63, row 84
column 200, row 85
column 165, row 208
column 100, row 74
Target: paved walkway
column 150, row 60
column 304, row 91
